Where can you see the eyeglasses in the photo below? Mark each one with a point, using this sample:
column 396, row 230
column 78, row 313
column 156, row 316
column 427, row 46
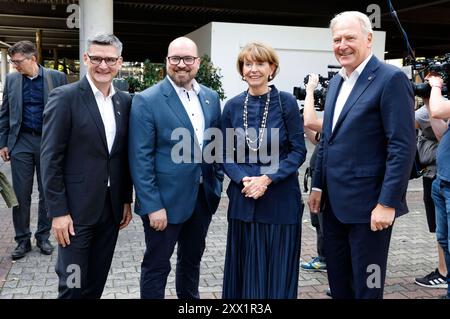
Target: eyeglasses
column 17, row 62
column 175, row 60
column 97, row 60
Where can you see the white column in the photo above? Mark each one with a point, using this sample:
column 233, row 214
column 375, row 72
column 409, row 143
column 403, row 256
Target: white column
column 4, row 66
column 95, row 16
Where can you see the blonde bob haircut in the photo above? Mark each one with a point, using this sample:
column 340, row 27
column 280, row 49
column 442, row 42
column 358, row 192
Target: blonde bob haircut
column 258, row 52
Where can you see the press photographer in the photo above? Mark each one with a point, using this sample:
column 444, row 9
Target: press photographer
column 439, row 66
column 319, row 93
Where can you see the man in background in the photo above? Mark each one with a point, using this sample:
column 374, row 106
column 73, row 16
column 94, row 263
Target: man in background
column 24, row 97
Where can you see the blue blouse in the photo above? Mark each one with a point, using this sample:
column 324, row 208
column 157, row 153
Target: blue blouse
column 283, row 144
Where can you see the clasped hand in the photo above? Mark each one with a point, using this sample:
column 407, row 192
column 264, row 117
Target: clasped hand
column 255, row 186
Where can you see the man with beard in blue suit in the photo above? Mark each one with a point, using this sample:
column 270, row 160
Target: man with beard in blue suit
column 176, row 199
column 364, row 160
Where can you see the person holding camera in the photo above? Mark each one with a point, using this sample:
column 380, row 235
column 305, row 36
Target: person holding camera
column 364, row 160
column 440, row 109
column 427, row 143
column 313, row 129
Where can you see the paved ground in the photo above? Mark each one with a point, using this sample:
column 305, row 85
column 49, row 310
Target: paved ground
column 412, row 254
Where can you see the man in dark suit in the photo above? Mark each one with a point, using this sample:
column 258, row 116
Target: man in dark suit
column 24, row 97
column 175, row 195
column 364, row 160
column 85, row 170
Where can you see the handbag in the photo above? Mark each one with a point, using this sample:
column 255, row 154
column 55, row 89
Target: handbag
column 426, row 149
column 7, row 192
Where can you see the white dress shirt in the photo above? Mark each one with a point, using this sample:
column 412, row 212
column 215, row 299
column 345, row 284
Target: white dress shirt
column 346, row 88
column 193, row 108
column 106, row 108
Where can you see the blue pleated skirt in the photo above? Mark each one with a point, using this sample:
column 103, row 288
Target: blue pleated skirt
column 262, row 261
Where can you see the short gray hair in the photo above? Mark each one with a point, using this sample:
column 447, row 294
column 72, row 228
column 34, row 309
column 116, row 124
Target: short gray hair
column 105, row 39
column 366, row 25
column 25, row 47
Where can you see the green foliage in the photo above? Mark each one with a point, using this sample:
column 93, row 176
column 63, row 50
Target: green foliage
column 134, row 84
column 153, row 73
column 207, row 75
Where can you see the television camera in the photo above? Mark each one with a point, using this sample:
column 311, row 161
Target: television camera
column 320, row 92
column 422, row 67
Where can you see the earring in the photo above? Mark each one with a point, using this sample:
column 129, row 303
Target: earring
column 270, row 77
column 243, row 78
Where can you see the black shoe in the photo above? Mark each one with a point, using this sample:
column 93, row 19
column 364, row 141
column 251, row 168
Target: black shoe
column 432, row 280
column 328, row 292
column 45, row 246
column 21, row 250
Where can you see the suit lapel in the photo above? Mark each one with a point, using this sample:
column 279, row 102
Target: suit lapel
column 118, row 117
column 177, row 107
column 45, row 75
column 18, row 92
column 330, row 103
column 89, row 101
column 205, row 103
column 364, row 80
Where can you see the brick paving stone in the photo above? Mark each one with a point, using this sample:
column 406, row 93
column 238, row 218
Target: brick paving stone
column 412, row 254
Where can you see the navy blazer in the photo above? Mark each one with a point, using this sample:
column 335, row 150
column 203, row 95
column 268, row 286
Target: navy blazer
column 75, row 161
column 12, row 106
column 159, row 181
column 281, row 204
column 367, row 158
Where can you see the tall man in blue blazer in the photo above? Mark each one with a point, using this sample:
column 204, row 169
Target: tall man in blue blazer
column 85, row 172
column 176, row 194
column 364, row 160
column 24, row 97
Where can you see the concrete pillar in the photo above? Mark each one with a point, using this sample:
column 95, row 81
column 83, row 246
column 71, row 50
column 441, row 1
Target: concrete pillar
column 4, row 66
column 95, row 16
column 55, row 59
column 39, row 46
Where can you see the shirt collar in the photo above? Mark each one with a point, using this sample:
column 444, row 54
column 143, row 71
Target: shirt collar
column 40, row 73
column 357, row 71
column 96, row 91
column 195, row 86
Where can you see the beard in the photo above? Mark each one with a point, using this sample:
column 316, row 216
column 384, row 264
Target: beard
column 181, row 79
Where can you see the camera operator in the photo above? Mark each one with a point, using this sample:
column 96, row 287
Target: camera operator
column 313, row 129
column 440, row 109
column 427, row 144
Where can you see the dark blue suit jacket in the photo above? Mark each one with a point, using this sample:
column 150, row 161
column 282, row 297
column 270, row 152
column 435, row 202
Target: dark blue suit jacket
column 367, row 158
column 159, row 181
column 75, row 162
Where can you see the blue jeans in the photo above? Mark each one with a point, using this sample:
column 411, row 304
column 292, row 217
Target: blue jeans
column 441, row 198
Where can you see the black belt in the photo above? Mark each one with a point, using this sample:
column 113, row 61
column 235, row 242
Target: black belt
column 30, row 131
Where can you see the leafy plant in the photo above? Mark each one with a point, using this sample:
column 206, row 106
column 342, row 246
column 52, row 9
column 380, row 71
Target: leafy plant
column 209, row 76
column 134, row 84
column 153, row 73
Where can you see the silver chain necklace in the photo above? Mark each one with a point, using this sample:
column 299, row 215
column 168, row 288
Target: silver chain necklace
column 262, row 128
